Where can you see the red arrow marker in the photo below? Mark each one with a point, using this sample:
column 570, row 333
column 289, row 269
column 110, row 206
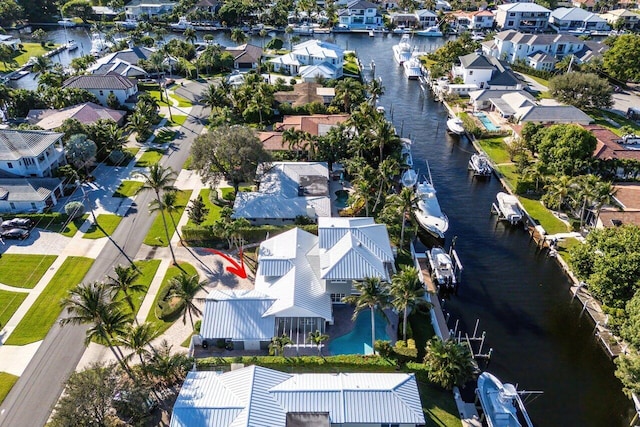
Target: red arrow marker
column 234, row 268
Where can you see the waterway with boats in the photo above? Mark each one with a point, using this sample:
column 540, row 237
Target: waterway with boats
column 541, row 338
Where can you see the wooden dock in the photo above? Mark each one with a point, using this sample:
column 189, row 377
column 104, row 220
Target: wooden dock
column 425, row 273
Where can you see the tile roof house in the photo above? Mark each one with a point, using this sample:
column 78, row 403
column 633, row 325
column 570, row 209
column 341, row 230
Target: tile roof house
column 631, row 20
column 575, row 19
column 286, row 191
column 27, row 161
column 305, row 93
column 485, row 71
column 611, row 146
column 87, row 113
column 254, row 396
column 124, row 62
column 309, row 54
column 473, row 20
column 522, row 17
column 245, row 56
column 316, row 125
column 102, row 85
column 360, row 14
column 628, row 198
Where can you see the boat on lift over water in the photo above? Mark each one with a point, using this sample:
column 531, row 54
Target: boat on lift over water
column 428, row 213
column 402, row 51
column 501, row 403
column 455, row 125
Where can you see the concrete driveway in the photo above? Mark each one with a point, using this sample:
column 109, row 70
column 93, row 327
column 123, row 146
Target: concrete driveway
column 39, row 242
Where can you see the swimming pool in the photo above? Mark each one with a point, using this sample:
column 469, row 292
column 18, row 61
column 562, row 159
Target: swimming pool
column 486, row 122
column 358, row 341
column 342, row 198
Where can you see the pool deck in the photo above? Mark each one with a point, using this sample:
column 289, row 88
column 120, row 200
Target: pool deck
column 333, row 187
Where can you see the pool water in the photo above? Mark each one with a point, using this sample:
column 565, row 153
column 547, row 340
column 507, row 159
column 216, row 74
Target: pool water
column 486, row 122
column 358, row 341
column 342, row 197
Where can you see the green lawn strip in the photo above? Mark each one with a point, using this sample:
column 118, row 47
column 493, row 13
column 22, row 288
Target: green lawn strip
column 155, row 94
column 148, row 270
column 543, row 216
column 172, row 272
column 565, row 245
column 149, row 157
column 72, row 227
column 509, row 174
column 156, row 235
column 164, row 136
column 56, row 223
column 540, row 80
column 225, row 191
column 177, row 120
column 438, row 405
column 35, row 325
column 496, row 149
column 214, row 210
column 128, row 188
column 24, row 270
column 22, row 56
column 132, row 150
column 182, row 102
column 9, row 303
column 600, row 117
column 6, row 383
column 107, row 221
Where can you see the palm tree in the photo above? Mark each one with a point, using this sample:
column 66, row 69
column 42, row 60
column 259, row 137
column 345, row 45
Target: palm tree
column 115, row 137
column 277, row 344
column 167, row 367
column 407, row 292
column 387, row 169
column 317, row 338
column 362, row 191
column 344, row 92
column 159, row 180
column 41, row 64
column 559, row 189
column 605, row 194
column 190, row 35
column 406, row 202
column 372, row 294
column 124, row 281
column 448, row 363
column 138, row 338
column 92, row 304
column 238, row 36
column 168, row 204
column 185, row 287
column 586, row 192
column 140, row 124
column 375, row 89
column 386, row 136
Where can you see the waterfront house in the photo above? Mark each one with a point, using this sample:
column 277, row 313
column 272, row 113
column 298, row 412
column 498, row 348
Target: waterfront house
column 479, row 70
column 210, row 6
column 588, row 5
column 506, row 102
column 611, row 146
column 627, row 197
column 630, row 20
column 142, row 10
column 87, row 114
column 12, row 41
column 314, row 125
column 125, row 62
column 575, row 19
column 528, row 17
column 311, row 53
column 27, row 161
column 245, row 57
column 258, row 396
column 103, row 85
column 286, row 191
column 553, row 114
column 473, row 20
column 360, row 14
column 305, row 93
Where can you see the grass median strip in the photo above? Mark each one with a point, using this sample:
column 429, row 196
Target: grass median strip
column 24, row 270
column 6, row 383
column 148, row 270
column 127, row 188
column 108, row 222
column 35, row 325
column 156, row 235
column 149, row 158
column 214, row 210
column 9, row 303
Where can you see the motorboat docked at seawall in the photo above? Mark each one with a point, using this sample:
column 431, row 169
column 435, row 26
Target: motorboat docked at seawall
column 409, row 178
column 455, row 125
column 412, row 68
column 508, row 207
column 71, row 45
column 444, row 267
column 479, row 164
column 501, row 403
column 430, row 32
column 405, row 153
column 67, row 23
column 181, row 25
column 99, row 44
column 428, row 213
column 402, row 51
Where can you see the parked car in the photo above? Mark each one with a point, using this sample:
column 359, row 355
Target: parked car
column 15, row 233
column 25, row 223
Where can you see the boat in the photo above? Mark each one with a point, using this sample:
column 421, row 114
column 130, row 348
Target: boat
column 479, row 164
column 18, row 75
column 442, row 267
column 128, row 24
column 98, row 44
column 371, row 33
column 67, row 23
column 428, row 213
column 405, row 154
column 501, row 403
column 477, row 36
column 181, row 25
column 71, row 45
column 409, row 178
column 380, row 109
column 433, row 31
column 412, row 68
column 509, row 207
column 401, row 29
column 402, row 51
column 455, row 125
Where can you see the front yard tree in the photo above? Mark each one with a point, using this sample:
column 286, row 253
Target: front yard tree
column 373, row 295
column 582, row 90
column 621, row 60
column 231, row 151
column 628, row 372
column 123, row 282
column 198, row 211
column 184, row 287
column 448, row 363
column 81, row 151
column 407, row 292
column 566, row 149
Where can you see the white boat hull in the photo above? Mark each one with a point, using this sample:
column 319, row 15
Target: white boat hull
column 501, row 403
column 409, row 178
column 442, row 267
column 412, row 68
column 509, row 207
column 455, row 125
column 479, row 164
column 402, row 51
column 428, row 214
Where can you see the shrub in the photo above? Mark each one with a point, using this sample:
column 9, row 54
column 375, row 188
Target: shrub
column 198, row 325
column 74, row 210
column 165, row 310
column 383, row 348
column 406, row 351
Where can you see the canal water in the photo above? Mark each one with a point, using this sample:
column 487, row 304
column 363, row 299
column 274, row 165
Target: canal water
column 541, row 340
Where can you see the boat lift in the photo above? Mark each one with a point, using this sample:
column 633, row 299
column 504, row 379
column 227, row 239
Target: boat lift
column 474, row 342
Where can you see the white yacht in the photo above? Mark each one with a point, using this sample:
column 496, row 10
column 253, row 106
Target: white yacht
column 128, row 24
column 455, row 125
column 412, row 68
column 428, row 213
column 402, row 51
column 430, row 32
column 401, row 29
column 99, row 44
column 509, row 207
column 442, row 267
column 409, row 178
column 479, row 164
column 71, row 45
column 181, row 25
column 501, row 403
column 67, row 23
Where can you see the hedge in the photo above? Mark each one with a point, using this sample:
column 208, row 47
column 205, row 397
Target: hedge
column 164, row 310
column 254, row 234
column 287, row 363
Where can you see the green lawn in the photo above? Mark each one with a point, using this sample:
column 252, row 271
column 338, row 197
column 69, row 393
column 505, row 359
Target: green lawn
column 543, row 216
column 128, row 188
column 164, row 136
column 56, row 223
column 149, row 157
column 496, row 149
column 540, row 80
column 6, row 383
column 148, row 270
column 132, row 150
column 9, row 303
column 24, row 271
column 107, row 221
column 224, row 191
column 600, row 115
column 172, row 272
column 181, row 102
column 439, row 408
column 156, row 235
column 214, row 210
column 510, row 174
column 22, row 56
column 178, row 120
column 565, row 245
column 46, row 309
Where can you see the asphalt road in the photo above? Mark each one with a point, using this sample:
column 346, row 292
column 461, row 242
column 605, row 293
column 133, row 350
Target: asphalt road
column 36, row 392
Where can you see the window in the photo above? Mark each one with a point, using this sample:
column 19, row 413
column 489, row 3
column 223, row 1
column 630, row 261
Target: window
column 10, row 165
column 337, row 297
column 33, row 206
column 510, row 23
column 101, row 93
column 471, row 72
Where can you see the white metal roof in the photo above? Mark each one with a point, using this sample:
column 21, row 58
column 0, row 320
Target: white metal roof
column 523, row 7
column 257, row 396
column 237, row 315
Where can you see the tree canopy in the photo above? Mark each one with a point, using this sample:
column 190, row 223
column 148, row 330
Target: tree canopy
column 566, row 149
column 621, row 60
column 583, row 90
column 231, row 151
